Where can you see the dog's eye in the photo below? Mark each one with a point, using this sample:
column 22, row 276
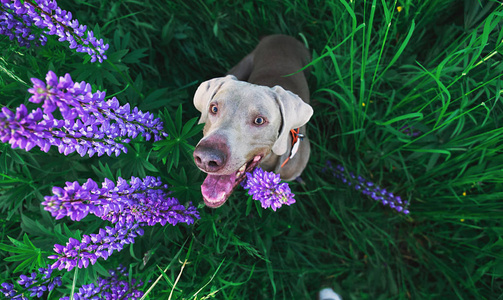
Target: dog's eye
column 259, row 121
column 213, row 109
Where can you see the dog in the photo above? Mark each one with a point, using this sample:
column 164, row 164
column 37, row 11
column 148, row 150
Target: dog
column 254, row 116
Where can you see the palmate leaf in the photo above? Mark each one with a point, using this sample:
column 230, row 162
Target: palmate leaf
column 24, row 252
column 104, row 172
column 183, row 186
column 135, row 162
column 16, row 188
column 177, row 142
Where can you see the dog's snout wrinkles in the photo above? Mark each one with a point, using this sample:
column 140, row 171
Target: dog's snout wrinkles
column 211, row 156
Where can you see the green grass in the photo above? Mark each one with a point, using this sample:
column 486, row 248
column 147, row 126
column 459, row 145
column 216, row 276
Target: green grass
column 434, row 65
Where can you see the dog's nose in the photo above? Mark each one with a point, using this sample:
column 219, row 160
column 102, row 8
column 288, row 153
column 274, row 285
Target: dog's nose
column 210, row 156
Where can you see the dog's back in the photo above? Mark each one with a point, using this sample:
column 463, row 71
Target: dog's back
column 274, row 58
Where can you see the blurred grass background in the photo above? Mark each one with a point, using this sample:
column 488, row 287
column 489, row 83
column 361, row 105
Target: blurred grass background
column 378, row 67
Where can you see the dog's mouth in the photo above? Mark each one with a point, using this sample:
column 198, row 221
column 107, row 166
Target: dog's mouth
column 217, row 188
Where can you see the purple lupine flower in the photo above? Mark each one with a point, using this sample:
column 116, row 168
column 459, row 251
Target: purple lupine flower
column 17, row 19
column 17, row 27
column 91, row 124
column 129, row 205
column 410, row 131
column 37, row 283
column 100, row 245
column 74, row 201
column 368, row 188
column 117, row 286
column 27, row 281
column 140, row 200
column 10, row 292
column 27, row 130
column 106, row 118
column 266, row 187
column 153, row 209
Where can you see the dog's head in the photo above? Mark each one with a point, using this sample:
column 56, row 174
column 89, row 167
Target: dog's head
column 244, row 122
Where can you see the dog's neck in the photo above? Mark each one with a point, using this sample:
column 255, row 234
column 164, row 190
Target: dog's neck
column 276, row 163
column 296, row 139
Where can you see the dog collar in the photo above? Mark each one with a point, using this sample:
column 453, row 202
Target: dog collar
column 296, row 138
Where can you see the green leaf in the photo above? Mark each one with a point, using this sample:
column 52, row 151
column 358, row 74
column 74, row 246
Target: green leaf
column 400, row 50
column 168, row 123
column 178, row 118
column 11, row 249
column 439, row 151
column 386, row 11
column 117, row 55
column 134, row 56
column 103, row 171
column 188, row 126
column 418, row 116
column 147, row 165
column 178, row 140
column 24, row 251
column 154, row 96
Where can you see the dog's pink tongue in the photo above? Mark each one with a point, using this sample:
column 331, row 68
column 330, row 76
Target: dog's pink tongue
column 217, row 188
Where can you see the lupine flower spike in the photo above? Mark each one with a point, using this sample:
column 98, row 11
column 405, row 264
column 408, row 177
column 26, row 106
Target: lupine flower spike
column 410, row 131
column 129, row 205
column 117, row 286
column 266, row 187
column 90, row 125
column 141, row 201
column 36, row 284
column 370, row 189
column 100, row 245
column 19, row 21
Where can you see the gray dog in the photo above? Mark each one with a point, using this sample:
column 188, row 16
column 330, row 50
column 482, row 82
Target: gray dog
column 254, row 116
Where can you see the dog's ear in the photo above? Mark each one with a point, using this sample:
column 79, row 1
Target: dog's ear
column 206, row 91
column 294, row 114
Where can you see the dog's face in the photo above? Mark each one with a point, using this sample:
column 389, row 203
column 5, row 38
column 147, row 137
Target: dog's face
column 243, row 123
